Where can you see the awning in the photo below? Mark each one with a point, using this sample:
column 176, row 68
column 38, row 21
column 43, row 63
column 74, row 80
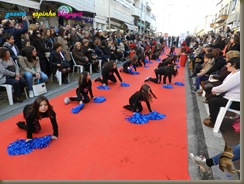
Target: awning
column 84, row 5
column 25, row 3
column 140, row 24
column 131, row 27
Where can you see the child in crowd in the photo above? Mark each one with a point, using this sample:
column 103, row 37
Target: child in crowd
column 108, row 73
column 84, row 86
column 166, row 71
column 40, row 108
column 144, row 94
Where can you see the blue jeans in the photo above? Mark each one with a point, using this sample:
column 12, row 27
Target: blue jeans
column 199, row 79
column 236, row 152
column 29, row 79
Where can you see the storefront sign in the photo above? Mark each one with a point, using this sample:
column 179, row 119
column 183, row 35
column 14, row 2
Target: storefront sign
column 44, row 14
column 67, row 12
column 14, row 14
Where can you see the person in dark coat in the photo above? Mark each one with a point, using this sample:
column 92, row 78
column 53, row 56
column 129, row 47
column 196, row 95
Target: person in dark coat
column 39, row 109
column 39, row 44
column 166, row 71
column 144, row 94
column 9, row 28
column 108, row 73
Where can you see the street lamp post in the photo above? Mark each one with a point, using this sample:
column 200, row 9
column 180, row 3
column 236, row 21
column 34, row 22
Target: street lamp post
column 109, row 14
column 141, row 17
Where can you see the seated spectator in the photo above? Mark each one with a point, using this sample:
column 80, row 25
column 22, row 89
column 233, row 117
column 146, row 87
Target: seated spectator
column 9, row 74
column 9, row 44
column 90, row 53
column 38, row 42
column 219, row 76
column 202, row 75
column 80, row 57
column 59, row 62
column 229, row 89
column 30, row 67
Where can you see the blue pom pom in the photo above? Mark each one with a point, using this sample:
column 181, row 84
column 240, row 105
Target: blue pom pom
column 103, row 87
column 146, row 60
column 135, row 73
column 138, row 118
column 99, row 99
column 123, row 84
column 167, row 86
column 155, row 116
column 77, row 109
column 130, row 70
column 146, row 66
column 158, row 59
column 21, row 147
column 179, row 83
column 177, row 60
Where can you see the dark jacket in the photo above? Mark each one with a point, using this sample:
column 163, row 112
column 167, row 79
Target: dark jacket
column 137, row 98
column 31, row 118
column 85, row 88
column 106, row 73
column 17, row 33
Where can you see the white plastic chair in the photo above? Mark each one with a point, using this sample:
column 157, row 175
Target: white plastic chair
column 222, row 113
column 76, row 66
column 9, row 89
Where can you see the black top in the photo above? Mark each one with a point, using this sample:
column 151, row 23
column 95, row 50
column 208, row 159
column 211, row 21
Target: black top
column 30, row 119
column 166, row 71
column 106, row 72
column 136, row 98
column 85, row 88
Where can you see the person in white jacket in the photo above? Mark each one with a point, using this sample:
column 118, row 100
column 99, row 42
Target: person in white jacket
column 229, row 89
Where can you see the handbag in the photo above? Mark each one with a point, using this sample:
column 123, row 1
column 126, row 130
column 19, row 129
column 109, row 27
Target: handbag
column 64, row 62
column 39, row 88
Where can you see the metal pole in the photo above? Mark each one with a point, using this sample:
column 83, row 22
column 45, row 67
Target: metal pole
column 109, row 14
column 141, row 17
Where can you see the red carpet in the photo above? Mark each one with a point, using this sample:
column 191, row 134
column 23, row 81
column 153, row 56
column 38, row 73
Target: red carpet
column 99, row 144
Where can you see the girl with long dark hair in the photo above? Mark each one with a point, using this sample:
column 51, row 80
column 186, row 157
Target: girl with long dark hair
column 84, row 86
column 166, row 71
column 39, row 109
column 108, row 73
column 144, row 94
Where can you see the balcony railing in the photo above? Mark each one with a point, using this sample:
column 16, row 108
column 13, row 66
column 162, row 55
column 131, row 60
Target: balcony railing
column 212, row 25
column 221, row 18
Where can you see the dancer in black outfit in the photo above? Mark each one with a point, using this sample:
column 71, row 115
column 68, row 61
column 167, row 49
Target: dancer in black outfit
column 84, row 86
column 108, row 73
column 144, row 94
column 166, row 71
column 132, row 62
column 40, row 108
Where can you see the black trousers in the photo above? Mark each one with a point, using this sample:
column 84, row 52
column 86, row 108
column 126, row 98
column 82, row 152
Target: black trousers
column 214, row 104
column 80, row 97
column 18, row 85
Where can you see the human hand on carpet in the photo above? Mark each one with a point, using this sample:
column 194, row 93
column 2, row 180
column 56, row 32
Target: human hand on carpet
column 104, row 84
column 27, row 140
column 54, row 137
